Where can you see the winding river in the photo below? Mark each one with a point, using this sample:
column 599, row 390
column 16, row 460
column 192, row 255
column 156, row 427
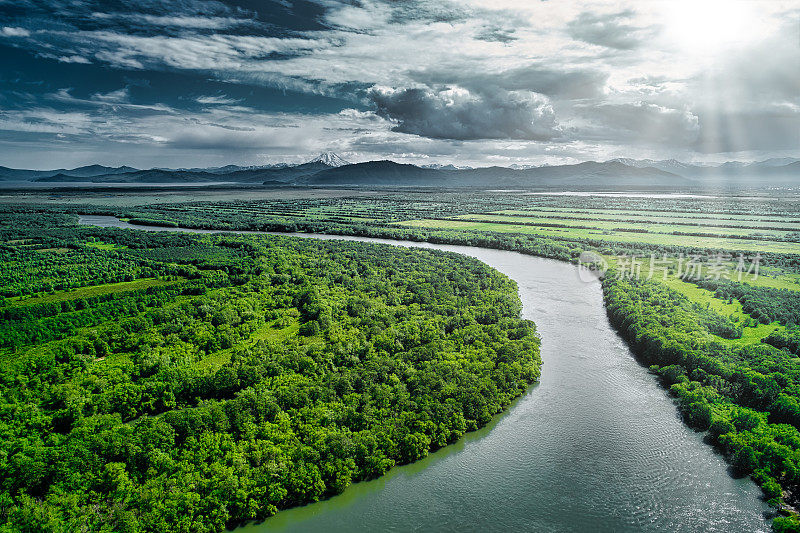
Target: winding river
column 597, row 445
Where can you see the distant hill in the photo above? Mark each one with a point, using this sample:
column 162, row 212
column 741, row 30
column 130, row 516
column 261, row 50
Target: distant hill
column 667, row 165
column 227, row 169
column 755, row 175
column 439, row 166
column 66, row 174
column 97, row 170
column 776, row 171
column 389, row 173
column 328, row 169
column 284, row 175
column 778, row 161
column 18, row 174
column 385, row 173
column 609, row 173
column 138, row 176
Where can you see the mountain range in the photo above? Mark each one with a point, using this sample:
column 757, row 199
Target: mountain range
column 90, row 171
column 328, row 169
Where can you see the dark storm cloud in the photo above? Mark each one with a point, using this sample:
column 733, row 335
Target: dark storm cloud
column 614, row 30
column 640, row 122
column 554, row 82
column 461, row 115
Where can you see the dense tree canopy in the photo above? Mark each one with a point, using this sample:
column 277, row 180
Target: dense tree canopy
column 249, row 374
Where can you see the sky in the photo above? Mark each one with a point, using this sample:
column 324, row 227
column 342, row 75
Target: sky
column 177, row 83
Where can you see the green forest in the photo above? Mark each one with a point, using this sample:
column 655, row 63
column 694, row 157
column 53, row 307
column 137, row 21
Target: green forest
column 174, row 382
column 158, row 381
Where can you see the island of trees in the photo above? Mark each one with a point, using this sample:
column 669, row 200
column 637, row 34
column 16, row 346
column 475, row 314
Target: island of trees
column 173, row 382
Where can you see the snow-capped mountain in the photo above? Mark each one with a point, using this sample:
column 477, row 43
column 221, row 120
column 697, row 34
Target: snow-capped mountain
column 440, row 166
column 668, row 165
column 778, row 161
column 227, row 169
column 331, row 159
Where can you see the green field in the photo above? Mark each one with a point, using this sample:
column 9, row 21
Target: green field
column 716, row 243
column 750, row 335
column 655, row 224
column 87, row 292
column 652, row 216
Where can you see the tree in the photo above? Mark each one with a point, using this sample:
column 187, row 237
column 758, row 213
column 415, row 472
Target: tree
column 698, row 415
column 745, row 460
column 721, row 426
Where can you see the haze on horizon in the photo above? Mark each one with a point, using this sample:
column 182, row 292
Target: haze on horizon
column 202, row 83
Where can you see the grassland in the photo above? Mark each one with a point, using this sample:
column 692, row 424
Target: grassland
column 733, row 310
column 651, row 225
column 104, row 245
column 663, row 239
column 655, row 216
column 88, row 292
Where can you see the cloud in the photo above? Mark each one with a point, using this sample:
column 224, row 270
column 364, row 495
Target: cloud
column 216, row 100
column 612, row 30
column 218, row 131
column 372, row 14
column 120, row 96
column 494, row 81
column 640, row 122
column 496, row 34
column 763, row 73
column 404, row 11
column 215, row 23
column 74, row 59
column 179, row 21
column 8, row 31
column 215, row 137
column 575, row 83
column 45, row 120
column 215, row 52
column 456, row 113
column 112, row 104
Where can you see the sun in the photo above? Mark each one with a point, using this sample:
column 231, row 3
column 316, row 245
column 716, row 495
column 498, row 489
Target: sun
column 706, row 27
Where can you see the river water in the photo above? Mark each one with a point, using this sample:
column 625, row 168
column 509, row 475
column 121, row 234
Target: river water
column 597, row 445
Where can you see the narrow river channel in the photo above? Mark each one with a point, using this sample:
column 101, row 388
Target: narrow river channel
column 597, row 445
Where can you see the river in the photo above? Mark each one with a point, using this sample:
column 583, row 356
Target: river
column 597, row 445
